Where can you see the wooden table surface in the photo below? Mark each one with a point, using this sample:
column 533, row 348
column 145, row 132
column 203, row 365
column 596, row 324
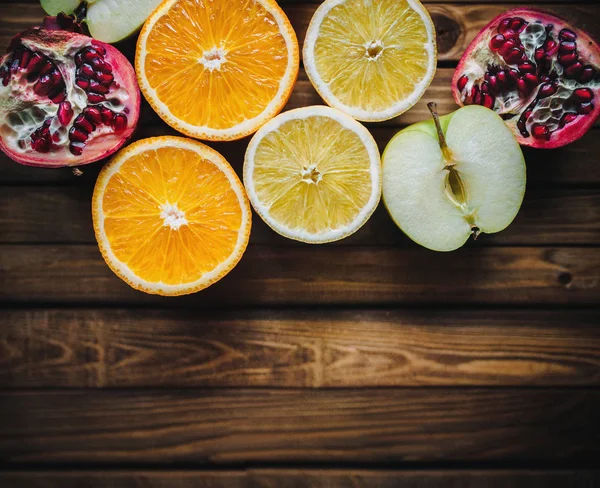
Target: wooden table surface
column 368, row 362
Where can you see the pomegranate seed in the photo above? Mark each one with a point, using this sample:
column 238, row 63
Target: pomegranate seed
column 487, row 101
column 567, row 118
column 78, row 58
column 513, row 74
column 540, row 54
column 87, row 71
column 547, row 89
column 55, row 77
column 82, row 83
column 514, row 56
column 104, row 78
column 567, row 35
column 510, row 34
column 507, row 47
column 527, row 114
column 502, row 78
column 42, row 86
column 583, row 95
column 485, row 87
column 101, row 65
column 504, row 25
column 56, row 90
column 522, row 86
column 45, row 130
column 84, row 124
column 93, row 115
column 98, row 88
column 574, row 70
column 76, row 148
column 550, row 47
column 47, row 68
column 493, row 82
column 35, row 63
column 107, row 115
column 119, row 122
column 65, row 113
column 587, row 74
column 90, row 55
column 527, row 68
column 567, row 47
column 55, row 137
column 540, row 131
column 516, row 23
column 60, row 96
column 567, row 59
column 497, row 42
column 96, row 97
column 77, row 135
column 531, row 79
column 462, row 82
column 100, row 49
column 585, row 108
column 25, row 57
column 522, row 128
column 41, row 145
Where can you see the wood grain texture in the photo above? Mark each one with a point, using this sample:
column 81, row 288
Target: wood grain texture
column 325, row 275
column 456, row 24
column 303, row 478
column 134, row 348
column 245, row 426
column 547, row 217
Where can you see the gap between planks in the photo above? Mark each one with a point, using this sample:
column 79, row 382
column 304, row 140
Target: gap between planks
column 302, row 478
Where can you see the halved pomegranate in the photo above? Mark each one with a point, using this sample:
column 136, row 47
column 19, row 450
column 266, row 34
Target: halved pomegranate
column 65, row 99
column 538, row 72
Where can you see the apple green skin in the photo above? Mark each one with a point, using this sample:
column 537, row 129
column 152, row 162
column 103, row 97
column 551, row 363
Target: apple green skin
column 429, row 127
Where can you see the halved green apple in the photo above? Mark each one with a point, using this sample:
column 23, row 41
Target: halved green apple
column 454, row 176
column 108, row 20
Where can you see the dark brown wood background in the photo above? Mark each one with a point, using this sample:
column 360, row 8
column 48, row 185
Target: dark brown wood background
column 369, row 362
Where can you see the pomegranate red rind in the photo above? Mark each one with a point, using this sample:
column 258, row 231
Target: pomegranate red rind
column 538, row 72
column 65, row 98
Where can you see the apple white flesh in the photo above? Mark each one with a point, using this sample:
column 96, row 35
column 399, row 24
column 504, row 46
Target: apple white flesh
column 108, row 20
column 441, row 190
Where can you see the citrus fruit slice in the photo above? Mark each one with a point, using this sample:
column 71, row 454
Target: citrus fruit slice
column 313, row 174
column 371, row 59
column 170, row 215
column 218, row 69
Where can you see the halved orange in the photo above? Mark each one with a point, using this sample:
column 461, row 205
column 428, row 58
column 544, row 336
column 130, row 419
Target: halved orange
column 217, row 69
column 171, row 217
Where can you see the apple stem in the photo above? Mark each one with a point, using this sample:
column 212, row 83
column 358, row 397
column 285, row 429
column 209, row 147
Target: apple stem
column 475, row 232
column 432, row 106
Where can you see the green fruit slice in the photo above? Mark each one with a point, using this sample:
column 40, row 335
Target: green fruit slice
column 439, row 196
column 108, row 20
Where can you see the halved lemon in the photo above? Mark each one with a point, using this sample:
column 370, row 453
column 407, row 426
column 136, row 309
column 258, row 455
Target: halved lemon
column 170, row 215
column 313, row 174
column 372, row 59
column 217, row 69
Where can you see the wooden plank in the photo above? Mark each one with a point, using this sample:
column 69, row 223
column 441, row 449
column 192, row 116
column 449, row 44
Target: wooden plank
column 302, row 478
column 575, row 164
column 547, row 217
column 325, row 275
column 245, row 426
column 134, row 348
column 456, row 24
